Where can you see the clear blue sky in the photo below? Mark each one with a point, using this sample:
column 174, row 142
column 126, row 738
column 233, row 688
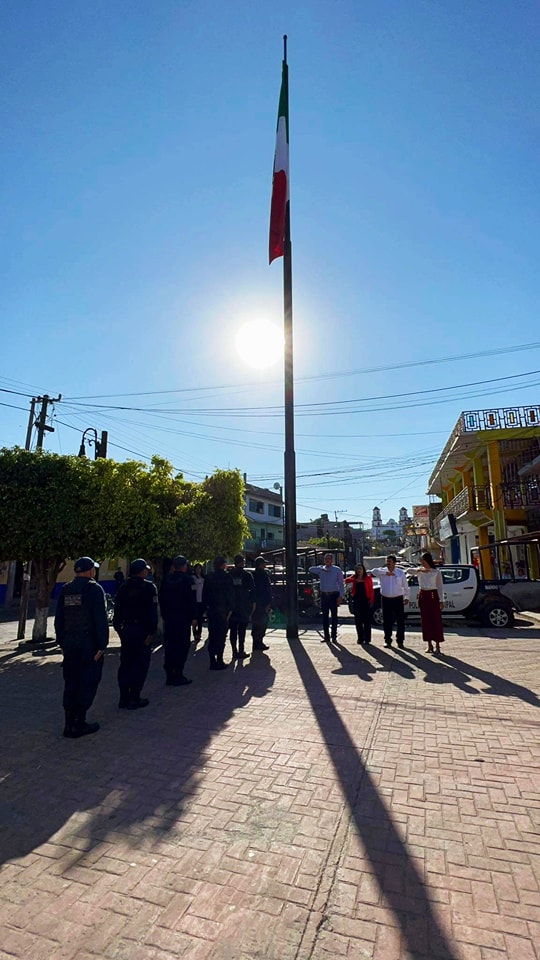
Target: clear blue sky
column 135, row 190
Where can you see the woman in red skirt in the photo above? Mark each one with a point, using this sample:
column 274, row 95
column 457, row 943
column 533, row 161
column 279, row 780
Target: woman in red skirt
column 430, row 601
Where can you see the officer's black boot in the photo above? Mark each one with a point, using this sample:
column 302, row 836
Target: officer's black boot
column 70, row 720
column 241, row 651
column 81, row 728
column 137, row 701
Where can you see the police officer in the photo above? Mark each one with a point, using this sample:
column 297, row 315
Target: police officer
column 218, row 600
column 263, row 604
column 178, row 604
column 82, row 632
column 135, row 620
column 244, row 603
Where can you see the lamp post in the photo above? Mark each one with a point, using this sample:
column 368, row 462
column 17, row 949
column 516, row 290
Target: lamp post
column 100, row 446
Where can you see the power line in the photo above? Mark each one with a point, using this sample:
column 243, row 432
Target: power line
column 496, row 351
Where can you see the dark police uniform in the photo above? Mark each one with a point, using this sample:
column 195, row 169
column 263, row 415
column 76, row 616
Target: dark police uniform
column 263, row 600
column 179, row 609
column 81, row 630
column 244, row 599
column 135, row 619
column 218, row 600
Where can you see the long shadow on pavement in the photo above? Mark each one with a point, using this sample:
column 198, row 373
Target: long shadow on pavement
column 422, row 934
column 390, row 663
column 496, row 684
column 351, row 664
column 136, row 775
column 435, row 672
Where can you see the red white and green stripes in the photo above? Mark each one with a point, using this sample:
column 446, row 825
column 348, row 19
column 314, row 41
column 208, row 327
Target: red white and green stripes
column 280, row 185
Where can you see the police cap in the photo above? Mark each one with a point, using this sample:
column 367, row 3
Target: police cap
column 179, row 562
column 137, row 566
column 83, row 564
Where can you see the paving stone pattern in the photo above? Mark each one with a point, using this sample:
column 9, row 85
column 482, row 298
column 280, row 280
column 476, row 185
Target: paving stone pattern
column 313, row 803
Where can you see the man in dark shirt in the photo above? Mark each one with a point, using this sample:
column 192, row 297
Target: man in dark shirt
column 244, row 602
column 179, row 611
column 218, row 600
column 135, row 620
column 82, row 631
column 263, row 604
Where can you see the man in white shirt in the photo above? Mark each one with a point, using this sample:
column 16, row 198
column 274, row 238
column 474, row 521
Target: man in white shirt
column 332, row 591
column 394, row 596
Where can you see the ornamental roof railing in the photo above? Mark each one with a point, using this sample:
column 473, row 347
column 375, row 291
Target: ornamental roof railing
column 484, row 421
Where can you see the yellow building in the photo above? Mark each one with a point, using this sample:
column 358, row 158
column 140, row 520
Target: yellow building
column 488, row 478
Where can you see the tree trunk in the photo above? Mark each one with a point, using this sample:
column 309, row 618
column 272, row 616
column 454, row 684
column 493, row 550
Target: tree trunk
column 47, row 572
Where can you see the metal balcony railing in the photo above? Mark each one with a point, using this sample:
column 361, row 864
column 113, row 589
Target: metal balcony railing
column 521, row 493
column 468, row 500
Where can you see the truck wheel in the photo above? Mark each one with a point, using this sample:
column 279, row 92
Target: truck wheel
column 377, row 617
column 496, row 614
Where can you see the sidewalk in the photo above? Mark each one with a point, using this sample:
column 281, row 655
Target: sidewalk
column 315, row 802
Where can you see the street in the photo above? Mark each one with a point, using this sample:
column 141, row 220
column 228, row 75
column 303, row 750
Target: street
column 313, row 802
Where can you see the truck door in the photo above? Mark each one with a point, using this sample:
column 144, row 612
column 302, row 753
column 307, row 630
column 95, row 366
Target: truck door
column 460, row 587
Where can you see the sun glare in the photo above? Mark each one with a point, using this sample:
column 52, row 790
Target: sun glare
column 259, row 343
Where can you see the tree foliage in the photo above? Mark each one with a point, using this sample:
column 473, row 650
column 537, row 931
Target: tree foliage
column 330, row 543
column 54, row 507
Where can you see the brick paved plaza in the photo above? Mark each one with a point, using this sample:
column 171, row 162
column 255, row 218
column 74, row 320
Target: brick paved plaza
column 313, row 802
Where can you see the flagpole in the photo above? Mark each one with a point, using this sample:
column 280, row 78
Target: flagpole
column 290, row 456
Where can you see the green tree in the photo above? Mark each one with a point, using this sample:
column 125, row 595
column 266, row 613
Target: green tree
column 53, row 508
column 331, row 543
column 49, row 512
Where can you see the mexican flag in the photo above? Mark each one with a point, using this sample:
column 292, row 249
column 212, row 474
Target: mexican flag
column 280, row 185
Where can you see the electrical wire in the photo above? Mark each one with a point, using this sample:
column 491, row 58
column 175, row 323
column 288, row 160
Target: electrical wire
column 495, row 351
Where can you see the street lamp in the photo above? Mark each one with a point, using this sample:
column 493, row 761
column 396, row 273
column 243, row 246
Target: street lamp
column 100, row 446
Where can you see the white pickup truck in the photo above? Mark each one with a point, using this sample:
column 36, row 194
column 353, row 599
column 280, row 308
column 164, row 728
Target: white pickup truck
column 465, row 595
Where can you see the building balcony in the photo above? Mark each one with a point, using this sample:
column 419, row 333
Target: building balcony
column 257, row 544
column 470, row 500
column 520, row 494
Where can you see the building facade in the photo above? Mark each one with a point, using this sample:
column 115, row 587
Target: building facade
column 488, row 479
column 265, row 516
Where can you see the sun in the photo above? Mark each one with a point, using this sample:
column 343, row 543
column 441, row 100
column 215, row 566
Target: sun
column 259, row 343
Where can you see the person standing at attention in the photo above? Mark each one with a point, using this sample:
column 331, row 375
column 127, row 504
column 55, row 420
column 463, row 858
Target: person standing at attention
column 332, row 593
column 363, row 598
column 244, row 605
column 395, row 596
column 431, row 602
column 135, row 621
column 263, row 604
column 218, row 600
column 198, row 584
column 177, row 602
column 82, row 632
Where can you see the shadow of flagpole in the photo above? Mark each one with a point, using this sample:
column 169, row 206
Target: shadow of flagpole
column 422, row 935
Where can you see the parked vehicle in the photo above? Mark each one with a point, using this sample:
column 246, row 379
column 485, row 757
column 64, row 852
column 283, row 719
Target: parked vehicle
column 465, row 595
column 308, row 595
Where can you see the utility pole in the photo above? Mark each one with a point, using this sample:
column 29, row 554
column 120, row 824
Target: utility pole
column 42, row 428
column 41, row 422
column 28, row 443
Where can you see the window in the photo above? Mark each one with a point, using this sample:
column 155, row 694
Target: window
column 256, row 506
column 457, row 575
column 273, row 510
column 270, row 535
